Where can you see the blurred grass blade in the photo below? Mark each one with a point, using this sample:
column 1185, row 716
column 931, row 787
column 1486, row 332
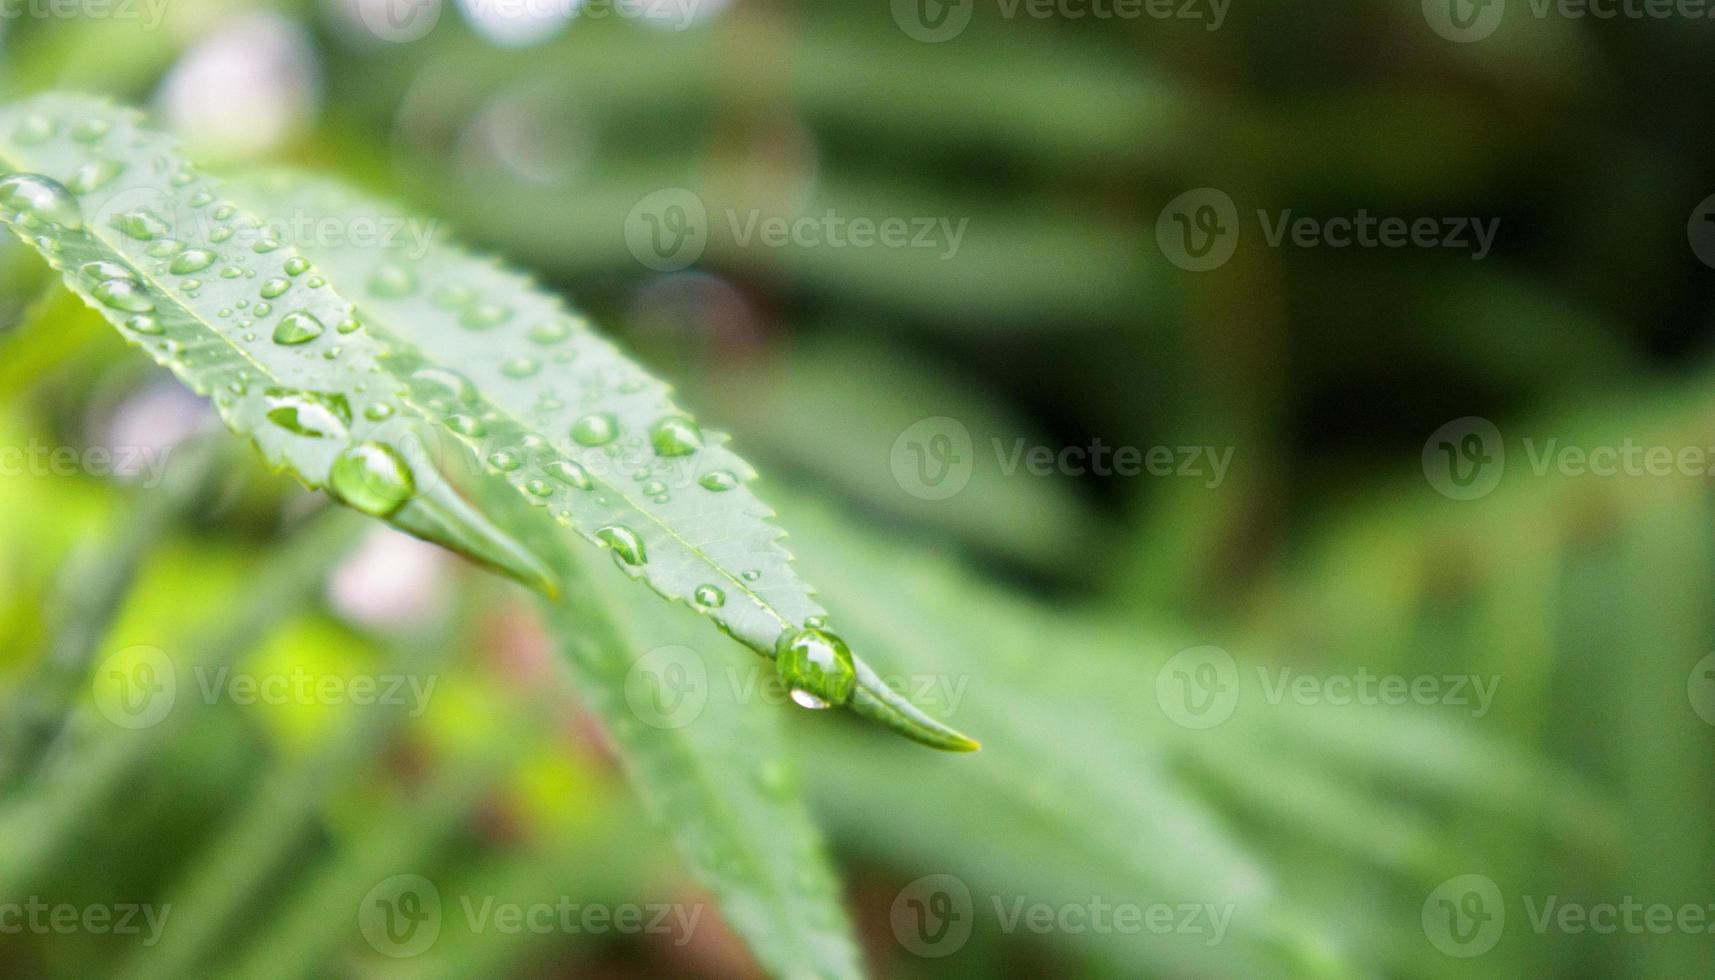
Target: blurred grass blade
column 584, row 432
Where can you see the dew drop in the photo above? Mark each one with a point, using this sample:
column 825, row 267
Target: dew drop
column 95, row 175
column 297, row 265
column 372, row 478
column 33, row 129
column 549, row 332
column 166, row 248
column 392, row 280
column 675, row 435
column 98, row 270
column 467, row 425
column 816, row 664
column 453, row 297
column 539, row 488
column 297, row 328
column 627, row 546
column 719, row 481
column 454, row 383
column 570, row 473
column 350, row 324
column 309, row 413
column 483, row 316
column 32, row 199
column 125, row 294
column 505, row 461
column 654, row 488
column 520, row 367
column 191, row 260
column 709, row 597
column 275, row 288
column 144, row 324
column 141, row 224
column 595, row 429
column 378, row 412
column 90, row 130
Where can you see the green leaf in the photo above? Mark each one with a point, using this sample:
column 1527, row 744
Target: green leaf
column 142, row 237
column 578, row 428
column 713, row 769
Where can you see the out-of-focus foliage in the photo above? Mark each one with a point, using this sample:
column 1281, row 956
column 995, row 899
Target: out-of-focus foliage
column 1040, row 613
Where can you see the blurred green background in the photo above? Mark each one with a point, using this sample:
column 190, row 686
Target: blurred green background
column 1157, row 662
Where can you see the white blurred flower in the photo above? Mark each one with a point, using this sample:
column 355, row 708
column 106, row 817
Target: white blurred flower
column 245, row 89
column 392, row 581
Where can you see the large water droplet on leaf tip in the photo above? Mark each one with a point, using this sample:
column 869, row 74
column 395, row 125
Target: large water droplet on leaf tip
column 372, row 478
column 816, row 663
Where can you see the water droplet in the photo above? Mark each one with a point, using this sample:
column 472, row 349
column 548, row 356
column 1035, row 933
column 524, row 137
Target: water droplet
column 125, row 294
column 540, row 488
column 504, row 460
column 192, row 260
column 141, row 224
column 95, row 175
column 33, row 129
column 98, row 270
column 484, row 316
column 350, row 324
column 32, row 199
column 520, row 367
column 467, row 425
column 90, row 130
column 144, row 324
column 201, row 199
column 392, row 280
column 627, row 546
column 263, row 309
column 654, row 488
column 816, row 663
column 750, row 575
column 570, row 473
column 708, row 597
column 718, row 481
column 455, row 384
column 378, row 411
column 549, row 332
column 166, row 248
column 315, row 282
column 297, row 265
column 309, row 413
column 224, row 212
column 275, row 288
column 372, row 478
column 675, row 435
column 595, row 429
column 297, row 328
column 453, row 297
